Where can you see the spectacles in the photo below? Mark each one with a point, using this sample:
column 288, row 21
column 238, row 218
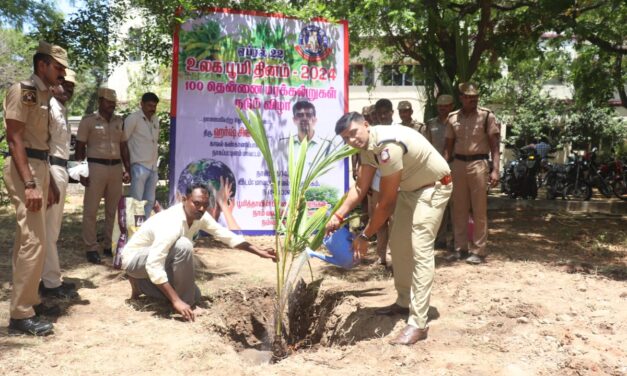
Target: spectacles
column 308, row 115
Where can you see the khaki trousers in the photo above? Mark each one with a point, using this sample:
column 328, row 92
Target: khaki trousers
column 104, row 181
column 417, row 217
column 30, row 237
column 383, row 233
column 51, row 276
column 179, row 266
column 470, row 195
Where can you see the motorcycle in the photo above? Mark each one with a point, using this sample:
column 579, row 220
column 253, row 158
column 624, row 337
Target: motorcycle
column 576, row 186
column 520, row 175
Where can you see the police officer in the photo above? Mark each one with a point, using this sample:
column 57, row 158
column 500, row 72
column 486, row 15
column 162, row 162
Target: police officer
column 435, row 131
column 405, row 112
column 60, row 135
column 27, row 178
column 415, row 186
column 472, row 135
column 435, row 128
column 102, row 140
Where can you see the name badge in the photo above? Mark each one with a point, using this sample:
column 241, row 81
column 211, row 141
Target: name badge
column 99, row 126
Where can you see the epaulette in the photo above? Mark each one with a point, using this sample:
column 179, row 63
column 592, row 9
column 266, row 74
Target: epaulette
column 27, row 85
column 485, row 109
column 453, row 113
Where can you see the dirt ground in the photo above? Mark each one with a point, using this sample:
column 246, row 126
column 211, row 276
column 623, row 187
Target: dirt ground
column 552, row 300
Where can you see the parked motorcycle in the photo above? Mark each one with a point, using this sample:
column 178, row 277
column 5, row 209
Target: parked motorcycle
column 577, row 185
column 520, row 175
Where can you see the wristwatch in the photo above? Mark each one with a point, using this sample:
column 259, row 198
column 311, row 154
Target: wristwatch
column 363, row 236
column 31, row 184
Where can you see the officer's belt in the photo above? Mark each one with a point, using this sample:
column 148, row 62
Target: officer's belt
column 472, row 157
column 108, row 162
column 446, row 180
column 58, row 161
column 37, row 154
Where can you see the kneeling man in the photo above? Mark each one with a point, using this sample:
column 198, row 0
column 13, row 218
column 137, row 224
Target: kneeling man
column 415, row 187
column 158, row 258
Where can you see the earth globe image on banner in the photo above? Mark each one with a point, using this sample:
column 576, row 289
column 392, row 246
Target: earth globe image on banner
column 208, row 172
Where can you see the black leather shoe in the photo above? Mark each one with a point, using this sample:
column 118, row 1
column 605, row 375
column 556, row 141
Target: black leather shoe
column 456, row 256
column 475, row 259
column 392, row 310
column 65, row 285
column 65, row 291
column 44, row 310
column 32, row 325
column 93, row 257
column 107, row 252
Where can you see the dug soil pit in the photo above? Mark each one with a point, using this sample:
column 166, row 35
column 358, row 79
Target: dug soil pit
column 316, row 318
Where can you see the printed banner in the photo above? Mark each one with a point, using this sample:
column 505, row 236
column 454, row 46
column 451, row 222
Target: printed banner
column 293, row 72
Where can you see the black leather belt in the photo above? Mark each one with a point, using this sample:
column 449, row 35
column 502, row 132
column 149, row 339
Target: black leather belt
column 108, row 162
column 37, row 154
column 58, row 161
column 473, row 157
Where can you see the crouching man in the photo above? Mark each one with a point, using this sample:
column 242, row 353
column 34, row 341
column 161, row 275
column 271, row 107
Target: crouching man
column 415, row 188
column 158, row 258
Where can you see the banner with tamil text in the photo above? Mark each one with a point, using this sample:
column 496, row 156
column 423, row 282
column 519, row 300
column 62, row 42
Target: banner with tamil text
column 293, row 72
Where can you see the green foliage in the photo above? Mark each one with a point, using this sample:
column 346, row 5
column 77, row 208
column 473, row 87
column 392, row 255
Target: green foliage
column 591, row 77
column 295, row 228
column 591, row 125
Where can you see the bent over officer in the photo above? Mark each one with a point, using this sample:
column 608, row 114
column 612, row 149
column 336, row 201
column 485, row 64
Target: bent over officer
column 471, row 133
column 102, row 140
column 415, row 187
column 27, row 178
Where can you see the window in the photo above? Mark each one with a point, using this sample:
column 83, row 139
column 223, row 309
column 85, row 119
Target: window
column 361, row 75
column 134, row 44
column 401, row 75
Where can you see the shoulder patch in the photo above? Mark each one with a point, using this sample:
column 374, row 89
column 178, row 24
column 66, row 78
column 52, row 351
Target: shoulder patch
column 28, row 95
column 384, row 155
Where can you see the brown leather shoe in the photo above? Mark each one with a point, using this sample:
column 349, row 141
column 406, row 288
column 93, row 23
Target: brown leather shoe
column 392, row 310
column 410, row 335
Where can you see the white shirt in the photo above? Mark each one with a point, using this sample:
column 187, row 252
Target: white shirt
column 162, row 230
column 60, row 134
column 143, row 139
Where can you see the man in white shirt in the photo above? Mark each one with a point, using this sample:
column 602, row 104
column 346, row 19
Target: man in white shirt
column 158, row 258
column 142, row 131
column 52, row 284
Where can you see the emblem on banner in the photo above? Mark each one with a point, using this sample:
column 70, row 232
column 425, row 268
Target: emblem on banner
column 313, row 44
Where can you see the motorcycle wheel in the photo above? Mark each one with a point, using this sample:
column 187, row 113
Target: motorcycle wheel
column 583, row 192
column 620, row 189
column 604, row 188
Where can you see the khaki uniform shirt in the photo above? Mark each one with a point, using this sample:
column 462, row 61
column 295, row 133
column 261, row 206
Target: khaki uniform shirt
column 435, row 132
column 414, row 124
column 143, row 139
column 162, row 230
column 60, row 133
column 471, row 131
column 28, row 103
column 102, row 138
column 398, row 148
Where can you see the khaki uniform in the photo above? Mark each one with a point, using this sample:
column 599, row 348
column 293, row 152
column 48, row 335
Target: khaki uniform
column 414, row 124
column 471, row 176
column 28, row 102
column 59, row 143
column 105, row 173
column 435, row 131
column 419, row 208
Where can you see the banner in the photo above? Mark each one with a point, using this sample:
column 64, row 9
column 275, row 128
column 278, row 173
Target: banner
column 294, row 72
